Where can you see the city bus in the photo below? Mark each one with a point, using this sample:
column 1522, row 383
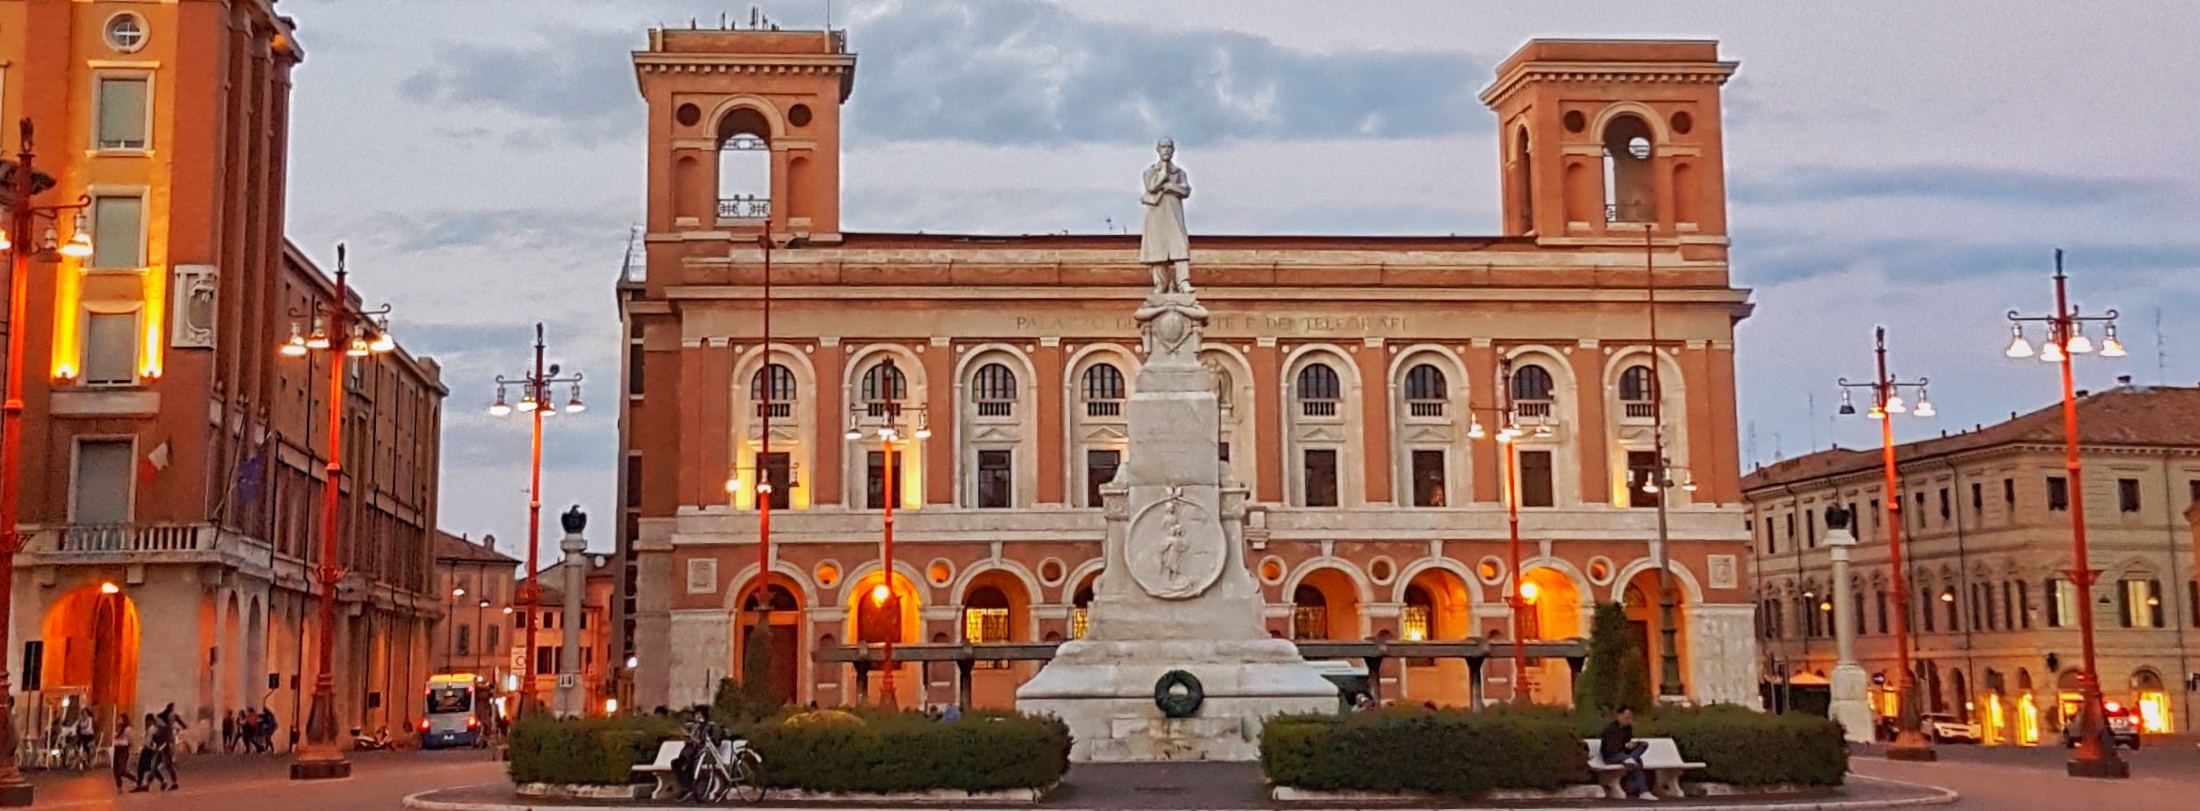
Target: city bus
column 450, row 719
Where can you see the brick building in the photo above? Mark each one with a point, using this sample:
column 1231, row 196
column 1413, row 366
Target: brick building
column 1357, row 373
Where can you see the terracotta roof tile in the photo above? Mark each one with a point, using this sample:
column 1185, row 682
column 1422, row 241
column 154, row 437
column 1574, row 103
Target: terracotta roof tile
column 450, row 547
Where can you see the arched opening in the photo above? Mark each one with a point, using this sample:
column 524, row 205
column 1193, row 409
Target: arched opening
column 1098, row 432
column 996, row 609
column 1553, row 612
column 1959, row 695
column 880, row 423
column 1645, row 621
column 994, row 389
column 1532, row 388
column 228, row 670
column 1634, row 392
column 881, row 610
column 780, row 610
column 1426, row 391
column 1629, row 187
column 744, row 165
column 993, row 437
column 1319, row 390
column 1524, row 187
column 1438, row 607
column 1318, row 435
column 91, row 640
column 1103, row 390
column 2067, row 698
column 1081, row 607
column 2151, row 702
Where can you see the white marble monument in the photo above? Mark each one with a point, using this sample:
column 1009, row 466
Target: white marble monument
column 1176, row 663
column 1851, row 694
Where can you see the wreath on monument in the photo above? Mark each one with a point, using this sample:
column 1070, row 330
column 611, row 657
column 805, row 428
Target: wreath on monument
column 1178, row 694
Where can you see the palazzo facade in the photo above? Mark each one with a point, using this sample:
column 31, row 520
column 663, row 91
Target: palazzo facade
column 1362, row 382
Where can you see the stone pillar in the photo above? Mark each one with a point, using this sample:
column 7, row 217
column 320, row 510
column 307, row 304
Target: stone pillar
column 569, row 697
column 1851, row 701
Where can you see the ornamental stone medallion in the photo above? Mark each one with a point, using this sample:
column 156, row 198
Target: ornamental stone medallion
column 1175, row 547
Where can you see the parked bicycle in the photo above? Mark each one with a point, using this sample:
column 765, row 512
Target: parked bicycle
column 724, row 766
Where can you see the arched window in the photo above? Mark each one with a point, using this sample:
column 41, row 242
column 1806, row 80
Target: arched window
column 1103, row 388
column 1080, row 612
column 994, row 389
column 1309, row 614
column 1319, row 390
column 985, row 615
column 1425, row 391
column 781, row 388
column 776, row 598
column 1526, row 166
column 1634, row 392
column 1413, row 622
column 1531, row 391
column 882, row 384
column 744, row 166
column 1627, row 175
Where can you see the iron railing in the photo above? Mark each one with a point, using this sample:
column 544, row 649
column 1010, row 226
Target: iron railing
column 744, row 208
column 1318, row 408
column 112, row 537
column 1103, row 408
column 996, row 408
column 1531, row 408
column 1640, row 410
column 1425, row 408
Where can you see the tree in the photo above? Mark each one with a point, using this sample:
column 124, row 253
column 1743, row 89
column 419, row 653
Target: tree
column 1617, row 673
column 751, row 698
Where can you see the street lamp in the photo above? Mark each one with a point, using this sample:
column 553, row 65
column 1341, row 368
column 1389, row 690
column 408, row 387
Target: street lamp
column 1886, row 400
column 889, row 433
column 25, row 183
column 536, row 401
column 360, row 332
column 1522, row 594
column 2064, row 339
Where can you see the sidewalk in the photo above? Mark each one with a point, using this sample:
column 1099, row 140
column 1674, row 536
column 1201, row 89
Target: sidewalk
column 217, row 774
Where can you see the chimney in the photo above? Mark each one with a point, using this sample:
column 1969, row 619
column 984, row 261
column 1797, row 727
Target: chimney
column 2123, row 381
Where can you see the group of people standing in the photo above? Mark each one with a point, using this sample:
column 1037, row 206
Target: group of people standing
column 157, row 757
column 250, row 730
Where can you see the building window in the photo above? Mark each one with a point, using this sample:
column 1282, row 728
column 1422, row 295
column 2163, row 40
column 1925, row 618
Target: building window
column 875, row 479
column 118, row 231
column 1535, row 479
column 1642, row 469
column 781, row 390
column 883, row 384
column 2058, row 493
column 2140, row 603
column 489, row 634
column 1810, row 528
column 1428, row 478
column 2009, row 498
column 2062, row 603
column 110, row 349
column 778, row 469
column 123, row 113
column 1944, row 506
column 1955, row 618
column 2008, row 605
column 548, row 658
column 1309, row 614
column 1319, row 390
column 2127, row 495
column 520, row 618
column 1920, row 511
column 1531, row 391
column 985, row 620
column 465, row 644
column 1321, row 477
column 1103, row 387
column 1981, row 609
column 1425, row 391
column 1100, row 469
column 1925, row 611
column 126, row 32
column 994, row 389
column 100, row 493
column 1635, row 391
column 1772, row 546
column 994, row 475
column 2024, row 603
column 1880, row 600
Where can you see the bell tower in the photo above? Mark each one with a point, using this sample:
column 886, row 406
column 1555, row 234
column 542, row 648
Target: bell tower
column 1606, row 135
column 744, row 130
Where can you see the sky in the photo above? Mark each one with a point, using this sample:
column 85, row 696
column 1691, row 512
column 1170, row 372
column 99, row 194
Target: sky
column 1889, row 163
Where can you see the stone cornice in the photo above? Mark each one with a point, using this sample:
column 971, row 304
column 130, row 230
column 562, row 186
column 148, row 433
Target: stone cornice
column 1521, row 75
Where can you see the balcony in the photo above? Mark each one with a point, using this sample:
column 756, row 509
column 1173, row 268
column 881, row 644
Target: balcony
column 744, row 208
column 1318, row 408
column 776, row 409
column 1531, row 408
column 1103, row 408
column 1639, row 410
column 1424, row 408
column 107, row 543
column 996, row 408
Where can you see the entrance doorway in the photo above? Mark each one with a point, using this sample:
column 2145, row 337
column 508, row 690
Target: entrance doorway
column 779, row 610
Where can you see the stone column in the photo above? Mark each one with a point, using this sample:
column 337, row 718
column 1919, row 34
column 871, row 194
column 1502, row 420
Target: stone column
column 569, row 696
column 1851, row 705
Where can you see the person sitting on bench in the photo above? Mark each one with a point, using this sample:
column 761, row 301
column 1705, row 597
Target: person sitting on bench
column 1617, row 746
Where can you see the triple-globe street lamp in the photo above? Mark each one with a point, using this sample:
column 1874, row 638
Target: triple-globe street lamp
column 1520, row 596
column 2064, row 340
column 1886, row 401
column 884, row 415
column 537, row 400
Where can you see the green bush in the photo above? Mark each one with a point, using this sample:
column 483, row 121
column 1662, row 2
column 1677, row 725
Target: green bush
column 1617, row 672
column 1449, row 752
column 1748, row 748
column 895, row 752
column 594, row 751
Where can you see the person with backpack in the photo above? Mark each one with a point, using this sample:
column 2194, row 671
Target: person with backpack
column 148, row 764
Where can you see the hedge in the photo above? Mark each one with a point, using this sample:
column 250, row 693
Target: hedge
column 592, row 751
column 1449, row 752
column 894, row 752
column 1466, row 754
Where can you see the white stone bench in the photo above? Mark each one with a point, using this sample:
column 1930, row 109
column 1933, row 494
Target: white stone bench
column 661, row 768
column 1661, row 758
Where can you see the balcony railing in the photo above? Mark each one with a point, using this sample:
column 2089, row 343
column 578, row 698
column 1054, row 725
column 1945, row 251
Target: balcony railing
column 1318, row 408
column 1640, row 410
column 133, row 538
column 1425, row 408
column 744, row 208
column 1628, row 212
column 777, row 409
column 1532, row 408
column 996, row 408
column 1103, row 408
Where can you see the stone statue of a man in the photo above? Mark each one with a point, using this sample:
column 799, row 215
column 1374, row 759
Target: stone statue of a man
column 1164, row 246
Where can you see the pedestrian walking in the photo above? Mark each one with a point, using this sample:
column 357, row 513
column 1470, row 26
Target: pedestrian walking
column 124, row 737
column 229, row 733
column 1617, row 745
column 267, row 730
column 148, row 764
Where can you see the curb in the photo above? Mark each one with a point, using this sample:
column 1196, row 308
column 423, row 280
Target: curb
column 1937, row 796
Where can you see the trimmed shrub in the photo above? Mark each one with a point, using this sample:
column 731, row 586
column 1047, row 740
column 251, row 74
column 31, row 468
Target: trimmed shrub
column 1450, row 752
column 1748, row 748
column 591, row 751
column 895, row 752
column 1617, row 672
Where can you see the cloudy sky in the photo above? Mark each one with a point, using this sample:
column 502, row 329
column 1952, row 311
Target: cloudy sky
column 1897, row 163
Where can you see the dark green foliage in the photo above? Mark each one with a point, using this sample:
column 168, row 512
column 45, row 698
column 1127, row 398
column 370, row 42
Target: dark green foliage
column 594, row 751
column 1466, row 754
column 738, row 704
column 1617, row 671
column 1449, row 752
column 894, row 752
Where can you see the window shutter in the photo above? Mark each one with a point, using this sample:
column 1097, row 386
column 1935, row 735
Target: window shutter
column 122, row 113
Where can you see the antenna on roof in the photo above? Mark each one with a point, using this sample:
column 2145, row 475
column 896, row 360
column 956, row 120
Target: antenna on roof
column 2161, row 352
column 1812, row 400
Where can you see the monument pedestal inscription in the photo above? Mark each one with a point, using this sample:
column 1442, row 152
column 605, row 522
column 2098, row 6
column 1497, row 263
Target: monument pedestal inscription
column 1176, row 663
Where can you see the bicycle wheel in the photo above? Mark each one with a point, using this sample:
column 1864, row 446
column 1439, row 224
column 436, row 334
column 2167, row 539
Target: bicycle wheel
column 710, row 785
column 748, row 780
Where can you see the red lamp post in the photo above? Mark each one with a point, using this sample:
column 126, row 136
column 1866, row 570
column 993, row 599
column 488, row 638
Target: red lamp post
column 887, row 407
column 2064, row 341
column 1508, row 429
column 348, row 332
column 1909, row 742
column 536, row 401
column 24, row 183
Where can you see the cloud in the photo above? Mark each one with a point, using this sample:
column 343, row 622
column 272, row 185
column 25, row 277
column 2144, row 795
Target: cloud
column 2013, row 187
column 1776, row 257
column 414, row 231
column 577, row 83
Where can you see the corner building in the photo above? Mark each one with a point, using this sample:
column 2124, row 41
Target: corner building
column 1351, row 370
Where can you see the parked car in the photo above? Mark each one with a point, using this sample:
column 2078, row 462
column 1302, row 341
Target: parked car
column 2123, row 727
column 1944, row 728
